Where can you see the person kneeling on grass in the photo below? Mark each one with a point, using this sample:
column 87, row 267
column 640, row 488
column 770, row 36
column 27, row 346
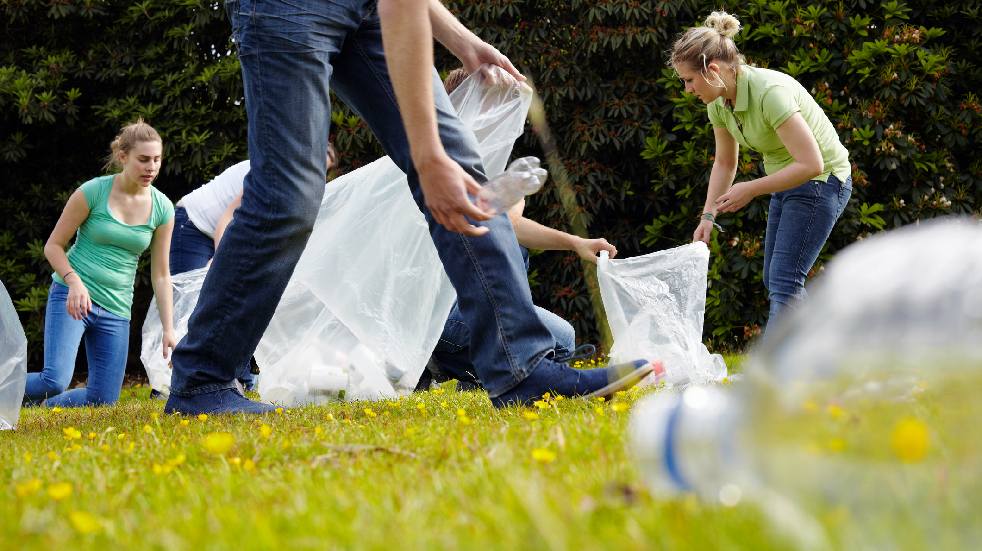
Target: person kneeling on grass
column 115, row 218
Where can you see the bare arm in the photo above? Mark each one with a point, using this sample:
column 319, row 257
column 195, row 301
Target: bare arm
column 74, row 214
column 225, row 219
column 408, row 41
column 798, row 139
column 465, row 45
column 160, row 279
column 720, row 179
column 534, row 235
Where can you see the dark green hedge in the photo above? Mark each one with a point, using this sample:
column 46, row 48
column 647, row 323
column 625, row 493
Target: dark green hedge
column 899, row 80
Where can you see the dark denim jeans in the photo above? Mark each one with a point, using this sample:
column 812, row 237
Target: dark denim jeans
column 799, row 221
column 107, row 341
column 292, row 55
column 190, row 249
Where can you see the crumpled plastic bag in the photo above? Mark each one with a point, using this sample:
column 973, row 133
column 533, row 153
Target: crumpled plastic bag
column 13, row 362
column 369, row 298
column 655, row 306
column 186, row 287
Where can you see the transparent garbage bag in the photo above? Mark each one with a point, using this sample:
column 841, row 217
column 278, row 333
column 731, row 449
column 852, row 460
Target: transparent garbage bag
column 368, row 299
column 186, row 286
column 655, row 306
column 13, row 362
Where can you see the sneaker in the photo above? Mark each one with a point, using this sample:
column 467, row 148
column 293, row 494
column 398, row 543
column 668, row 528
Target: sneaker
column 558, row 379
column 226, row 400
column 581, row 352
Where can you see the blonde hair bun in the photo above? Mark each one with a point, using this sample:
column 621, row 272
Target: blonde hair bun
column 723, row 23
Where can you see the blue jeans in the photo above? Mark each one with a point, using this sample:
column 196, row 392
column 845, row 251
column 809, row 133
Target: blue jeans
column 451, row 356
column 292, row 55
column 107, row 340
column 799, row 221
column 190, row 249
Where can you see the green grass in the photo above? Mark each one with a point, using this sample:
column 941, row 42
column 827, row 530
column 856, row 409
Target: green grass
column 440, row 469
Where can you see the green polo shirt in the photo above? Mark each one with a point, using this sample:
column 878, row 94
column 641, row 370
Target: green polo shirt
column 106, row 251
column 764, row 100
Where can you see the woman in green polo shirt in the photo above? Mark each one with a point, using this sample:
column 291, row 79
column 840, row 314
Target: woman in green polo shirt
column 807, row 168
column 114, row 218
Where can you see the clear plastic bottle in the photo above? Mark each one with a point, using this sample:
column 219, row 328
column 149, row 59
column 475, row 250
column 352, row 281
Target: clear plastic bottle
column 856, row 423
column 522, row 177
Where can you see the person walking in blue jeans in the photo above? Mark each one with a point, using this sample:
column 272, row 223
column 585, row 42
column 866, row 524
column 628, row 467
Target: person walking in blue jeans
column 114, row 218
column 451, row 356
column 292, row 57
column 807, row 167
column 200, row 220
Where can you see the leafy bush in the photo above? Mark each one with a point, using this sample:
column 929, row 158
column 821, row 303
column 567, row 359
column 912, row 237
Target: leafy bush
column 899, row 80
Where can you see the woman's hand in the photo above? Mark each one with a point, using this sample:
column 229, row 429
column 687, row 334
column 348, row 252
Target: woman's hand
column 79, row 303
column 168, row 343
column 736, row 198
column 588, row 249
column 703, row 231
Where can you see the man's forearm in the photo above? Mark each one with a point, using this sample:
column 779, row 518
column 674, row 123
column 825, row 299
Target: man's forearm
column 408, row 40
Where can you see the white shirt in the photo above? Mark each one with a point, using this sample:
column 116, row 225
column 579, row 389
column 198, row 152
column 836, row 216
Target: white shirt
column 206, row 204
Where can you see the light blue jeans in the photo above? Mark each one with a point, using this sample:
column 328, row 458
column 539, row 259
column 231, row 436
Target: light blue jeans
column 106, row 345
column 293, row 54
column 799, row 222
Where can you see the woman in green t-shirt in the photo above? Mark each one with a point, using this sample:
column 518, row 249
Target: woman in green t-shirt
column 114, row 218
column 807, row 168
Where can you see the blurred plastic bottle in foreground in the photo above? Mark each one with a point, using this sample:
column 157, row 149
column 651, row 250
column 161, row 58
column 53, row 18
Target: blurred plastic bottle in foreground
column 857, row 423
column 522, row 177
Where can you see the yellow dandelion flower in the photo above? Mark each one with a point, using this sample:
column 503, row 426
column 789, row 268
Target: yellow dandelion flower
column 530, row 415
column 279, row 411
column 461, row 412
column 421, row 406
column 464, row 420
column 369, row 412
column 329, row 417
column 154, row 415
column 601, row 399
column 620, row 393
column 444, row 404
column 71, row 433
column 130, row 447
column 179, row 459
column 28, row 457
column 92, row 435
column 218, row 443
column 185, row 422
column 235, row 461
column 619, row 407
column 84, row 523
column 121, row 436
column 56, row 409
column 265, row 430
column 541, row 404
column 147, row 429
column 202, row 417
column 74, row 448
column 598, row 410
column 836, row 445
column 318, row 431
column 543, row 455
column 27, row 488
column 910, row 440
column 59, row 491
column 835, row 411
column 158, row 469
column 249, row 465
column 438, row 390
column 52, row 456
column 559, row 398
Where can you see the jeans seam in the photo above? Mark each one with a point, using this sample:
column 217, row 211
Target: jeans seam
column 812, row 214
column 517, row 373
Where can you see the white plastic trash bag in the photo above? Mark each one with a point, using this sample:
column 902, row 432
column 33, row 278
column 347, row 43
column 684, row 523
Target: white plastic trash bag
column 13, row 362
column 186, row 288
column 655, row 306
column 369, row 298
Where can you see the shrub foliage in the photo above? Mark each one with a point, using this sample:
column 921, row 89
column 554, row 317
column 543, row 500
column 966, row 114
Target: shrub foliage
column 899, row 79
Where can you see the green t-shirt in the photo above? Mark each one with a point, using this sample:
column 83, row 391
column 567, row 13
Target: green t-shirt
column 764, row 100
column 106, row 251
